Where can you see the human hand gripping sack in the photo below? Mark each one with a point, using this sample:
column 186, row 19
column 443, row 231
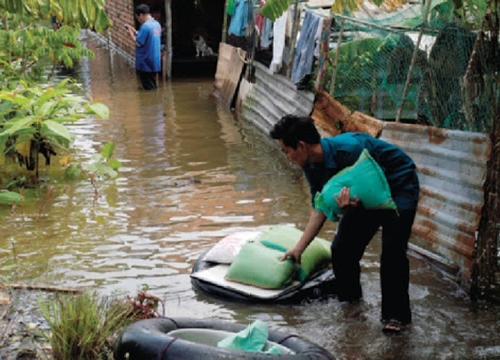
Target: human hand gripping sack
column 294, row 253
column 344, row 200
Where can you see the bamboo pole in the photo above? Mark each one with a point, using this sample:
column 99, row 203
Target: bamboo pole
column 324, row 50
column 295, row 30
column 224, row 23
column 167, row 72
column 250, row 34
column 337, row 56
column 412, row 64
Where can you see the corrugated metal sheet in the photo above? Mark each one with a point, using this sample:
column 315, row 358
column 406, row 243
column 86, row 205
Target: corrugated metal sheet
column 452, row 169
column 273, row 96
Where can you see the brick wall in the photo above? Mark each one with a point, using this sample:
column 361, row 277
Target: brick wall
column 121, row 12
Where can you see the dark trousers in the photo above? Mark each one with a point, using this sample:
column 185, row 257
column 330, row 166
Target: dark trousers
column 148, row 79
column 355, row 231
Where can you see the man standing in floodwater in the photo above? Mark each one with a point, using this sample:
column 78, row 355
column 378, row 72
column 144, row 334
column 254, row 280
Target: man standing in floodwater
column 147, row 47
column 322, row 158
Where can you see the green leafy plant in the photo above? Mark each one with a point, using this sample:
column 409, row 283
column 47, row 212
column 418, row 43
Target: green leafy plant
column 82, row 326
column 30, row 48
column 103, row 165
column 87, row 14
column 35, row 118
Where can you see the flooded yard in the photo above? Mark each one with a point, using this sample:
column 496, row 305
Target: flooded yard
column 192, row 173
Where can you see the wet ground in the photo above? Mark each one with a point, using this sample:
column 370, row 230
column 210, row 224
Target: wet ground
column 192, row 174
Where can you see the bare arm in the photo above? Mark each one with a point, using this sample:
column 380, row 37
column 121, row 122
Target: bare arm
column 316, row 221
column 131, row 31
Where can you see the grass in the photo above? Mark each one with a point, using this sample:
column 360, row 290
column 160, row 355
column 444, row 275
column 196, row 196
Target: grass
column 83, row 326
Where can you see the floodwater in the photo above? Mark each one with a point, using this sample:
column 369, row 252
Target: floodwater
column 192, row 174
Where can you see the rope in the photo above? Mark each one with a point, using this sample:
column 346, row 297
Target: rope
column 161, row 355
column 241, row 57
column 176, row 324
column 286, row 338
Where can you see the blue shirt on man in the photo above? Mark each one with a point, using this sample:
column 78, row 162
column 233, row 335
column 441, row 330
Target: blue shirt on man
column 343, row 150
column 148, row 46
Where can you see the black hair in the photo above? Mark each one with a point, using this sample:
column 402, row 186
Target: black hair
column 291, row 129
column 142, row 9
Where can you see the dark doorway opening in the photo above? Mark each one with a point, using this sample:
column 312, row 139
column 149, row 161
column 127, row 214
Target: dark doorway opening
column 190, row 20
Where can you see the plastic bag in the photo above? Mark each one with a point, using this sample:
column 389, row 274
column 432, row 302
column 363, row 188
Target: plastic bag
column 253, row 338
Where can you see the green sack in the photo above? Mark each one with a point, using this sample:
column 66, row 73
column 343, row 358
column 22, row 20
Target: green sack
column 314, row 258
column 260, row 266
column 365, row 179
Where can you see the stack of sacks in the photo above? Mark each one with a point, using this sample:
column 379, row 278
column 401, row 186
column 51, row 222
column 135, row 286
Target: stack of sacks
column 258, row 262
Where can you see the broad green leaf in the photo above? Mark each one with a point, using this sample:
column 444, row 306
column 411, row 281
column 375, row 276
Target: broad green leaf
column 50, row 94
column 63, row 83
column 99, row 109
column 114, row 164
column 108, row 149
column 58, row 129
column 47, row 108
column 107, row 171
column 10, row 197
column 15, row 98
column 17, row 125
column 73, row 171
column 273, row 9
column 91, row 168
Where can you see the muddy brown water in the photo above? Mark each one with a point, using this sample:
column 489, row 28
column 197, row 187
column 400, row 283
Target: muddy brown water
column 192, row 174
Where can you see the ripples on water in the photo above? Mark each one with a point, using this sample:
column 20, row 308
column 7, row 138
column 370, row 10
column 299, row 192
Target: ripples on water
column 191, row 174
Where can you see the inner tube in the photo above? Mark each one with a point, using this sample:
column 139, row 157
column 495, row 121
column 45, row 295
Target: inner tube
column 150, row 339
column 319, row 286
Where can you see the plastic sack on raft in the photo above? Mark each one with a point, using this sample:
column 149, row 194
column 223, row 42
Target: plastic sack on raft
column 253, row 338
column 259, row 265
column 226, row 249
column 365, row 179
column 259, row 262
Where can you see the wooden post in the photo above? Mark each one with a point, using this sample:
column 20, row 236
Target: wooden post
column 167, row 54
column 250, row 34
column 295, row 30
column 324, row 46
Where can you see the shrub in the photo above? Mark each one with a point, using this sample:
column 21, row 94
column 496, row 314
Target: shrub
column 82, row 326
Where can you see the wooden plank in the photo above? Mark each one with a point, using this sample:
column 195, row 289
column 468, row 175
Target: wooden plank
column 230, row 65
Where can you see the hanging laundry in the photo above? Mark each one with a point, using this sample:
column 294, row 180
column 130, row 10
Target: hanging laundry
column 265, row 27
column 239, row 20
column 266, row 39
column 230, row 7
column 304, row 51
column 259, row 19
column 279, row 32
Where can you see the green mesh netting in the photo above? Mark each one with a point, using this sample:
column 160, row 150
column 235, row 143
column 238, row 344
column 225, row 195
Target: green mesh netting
column 373, row 64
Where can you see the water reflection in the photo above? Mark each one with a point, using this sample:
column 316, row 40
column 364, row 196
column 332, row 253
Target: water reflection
column 192, row 174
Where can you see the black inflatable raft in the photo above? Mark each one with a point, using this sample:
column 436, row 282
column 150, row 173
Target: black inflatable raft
column 193, row 339
column 208, row 278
